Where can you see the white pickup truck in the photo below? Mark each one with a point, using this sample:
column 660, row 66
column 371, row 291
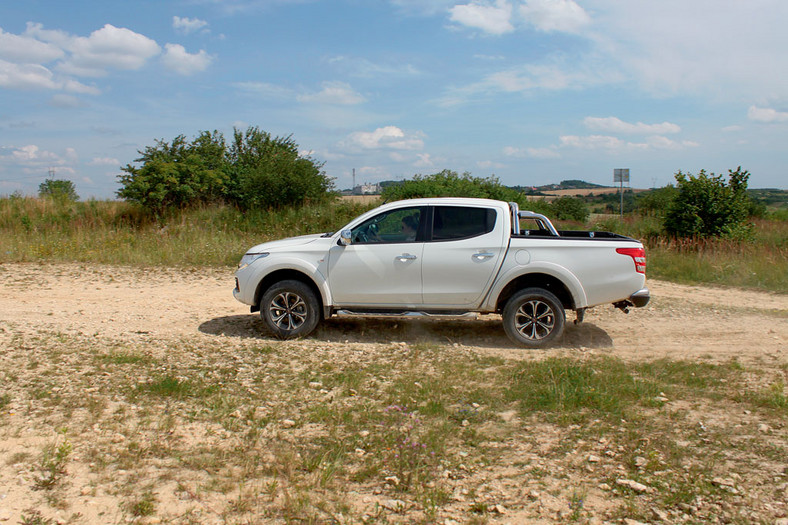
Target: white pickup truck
column 443, row 257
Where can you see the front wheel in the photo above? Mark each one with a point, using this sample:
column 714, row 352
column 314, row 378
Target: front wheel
column 290, row 309
column 533, row 317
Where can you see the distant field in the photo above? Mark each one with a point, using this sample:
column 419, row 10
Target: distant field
column 589, row 191
column 361, row 199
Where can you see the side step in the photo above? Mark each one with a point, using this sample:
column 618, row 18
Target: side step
column 406, row 314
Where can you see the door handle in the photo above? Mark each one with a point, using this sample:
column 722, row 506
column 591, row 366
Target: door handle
column 483, row 255
column 405, row 257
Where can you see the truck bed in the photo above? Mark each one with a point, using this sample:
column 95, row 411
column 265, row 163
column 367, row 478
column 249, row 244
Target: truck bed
column 573, row 234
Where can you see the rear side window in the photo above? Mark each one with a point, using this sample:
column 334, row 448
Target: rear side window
column 460, row 222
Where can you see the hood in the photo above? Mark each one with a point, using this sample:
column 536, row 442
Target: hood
column 284, row 243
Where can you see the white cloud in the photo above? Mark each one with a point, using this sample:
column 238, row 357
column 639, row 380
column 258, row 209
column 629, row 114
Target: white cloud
column 334, row 93
column 553, row 75
column 534, row 153
column 187, row 25
column 104, row 161
column 264, row 89
column 424, row 161
column 34, row 76
column 62, row 100
column 616, row 125
column 487, row 164
column 56, row 37
column 50, row 59
column 490, row 18
column 555, row 15
column 768, row 115
column 108, row 48
column 676, row 46
column 389, row 137
column 32, row 159
column 177, row 59
column 615, row 144
column 25, row 76
column 423, row 7
column 363, row 68
column 24, row 49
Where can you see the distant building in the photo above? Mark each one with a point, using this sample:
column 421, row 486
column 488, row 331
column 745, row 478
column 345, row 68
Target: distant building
column 367, row 189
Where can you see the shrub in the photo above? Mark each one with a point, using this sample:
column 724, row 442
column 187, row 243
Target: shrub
column 706, row 207
column 177, row 173
column 268, row 172
column 656, row 201
column 570, row 209
column 61, row 190
column 256, row 170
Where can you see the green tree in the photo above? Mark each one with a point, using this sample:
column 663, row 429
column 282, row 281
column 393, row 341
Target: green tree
column 569, row 209
column 269, row 172
column 449, row 183
column 58, row 189
column 177, row 173
column 705, row 206
column 656, row 201
column 255, row 170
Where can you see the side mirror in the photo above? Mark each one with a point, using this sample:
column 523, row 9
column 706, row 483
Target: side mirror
column 345, row 238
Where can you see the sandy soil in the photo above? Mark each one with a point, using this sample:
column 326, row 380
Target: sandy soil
column 141, row 306
column 681, row 321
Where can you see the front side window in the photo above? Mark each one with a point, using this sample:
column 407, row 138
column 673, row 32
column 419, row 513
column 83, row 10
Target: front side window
column 461, row 222
column 395, row 226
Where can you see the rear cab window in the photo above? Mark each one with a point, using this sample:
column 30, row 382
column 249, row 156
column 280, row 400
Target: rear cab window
column 451, row 223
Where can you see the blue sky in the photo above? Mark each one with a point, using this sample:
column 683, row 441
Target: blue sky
column 531, row 91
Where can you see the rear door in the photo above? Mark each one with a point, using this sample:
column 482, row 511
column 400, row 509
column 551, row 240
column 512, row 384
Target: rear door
column 462, row 254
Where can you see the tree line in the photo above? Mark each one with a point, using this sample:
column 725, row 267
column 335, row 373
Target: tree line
column 255, row 170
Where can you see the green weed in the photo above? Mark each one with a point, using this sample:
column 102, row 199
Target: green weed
column 52, row 465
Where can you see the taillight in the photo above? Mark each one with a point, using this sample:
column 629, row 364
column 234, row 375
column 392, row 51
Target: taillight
column 638, row 255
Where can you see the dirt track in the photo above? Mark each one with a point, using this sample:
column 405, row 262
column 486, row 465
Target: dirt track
column 681, row 321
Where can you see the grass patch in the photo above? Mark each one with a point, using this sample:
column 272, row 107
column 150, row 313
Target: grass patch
column 145, row 505
column 574, row 392
column 772, row 397
column 169, row 386
column 125, row 358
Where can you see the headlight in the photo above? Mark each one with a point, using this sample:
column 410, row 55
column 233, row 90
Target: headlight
column 249, row 258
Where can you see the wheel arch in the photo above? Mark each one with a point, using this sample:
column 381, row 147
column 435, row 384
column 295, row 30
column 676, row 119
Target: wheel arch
column 545, row 281
column 284, row 275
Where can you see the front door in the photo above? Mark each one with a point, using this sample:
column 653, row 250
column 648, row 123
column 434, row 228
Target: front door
column 382, row 266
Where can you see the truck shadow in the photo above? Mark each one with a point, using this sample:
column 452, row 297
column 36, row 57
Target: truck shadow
column 480, row 332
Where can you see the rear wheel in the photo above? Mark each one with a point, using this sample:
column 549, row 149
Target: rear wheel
column 533, row 317
column 290, row 309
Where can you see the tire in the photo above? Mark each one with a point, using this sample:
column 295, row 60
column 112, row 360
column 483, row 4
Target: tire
column 290, row 309
column 533, row 317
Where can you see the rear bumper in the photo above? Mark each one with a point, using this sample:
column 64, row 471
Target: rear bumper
column 640, row 298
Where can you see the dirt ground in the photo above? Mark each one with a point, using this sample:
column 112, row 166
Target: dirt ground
column 681, row 322
column 138, row 306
